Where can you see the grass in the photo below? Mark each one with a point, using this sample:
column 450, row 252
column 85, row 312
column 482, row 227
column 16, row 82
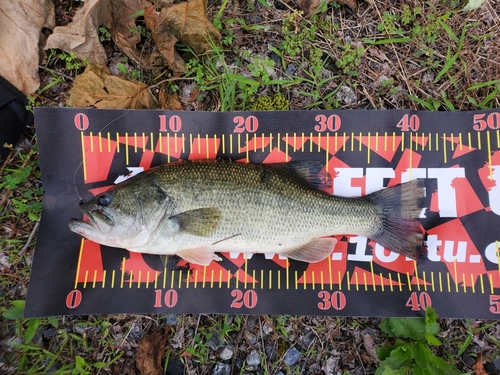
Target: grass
column 391, row 55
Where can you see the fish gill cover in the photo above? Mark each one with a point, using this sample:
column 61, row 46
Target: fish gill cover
column 83, row 152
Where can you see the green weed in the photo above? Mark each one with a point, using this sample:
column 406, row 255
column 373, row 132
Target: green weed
column 27, row 199
column 71, row 62
column 104, row 34
column 350, row 59
column 410, row 353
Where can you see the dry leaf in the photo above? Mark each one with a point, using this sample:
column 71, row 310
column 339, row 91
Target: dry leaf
column 472, row 5
column 310, row 7
column 125, row 36
column 96, row 87
column 186, row 22
column 21, row 40
column 81, row 36
column 478, row 366
column 150, row 352
column 169, row 101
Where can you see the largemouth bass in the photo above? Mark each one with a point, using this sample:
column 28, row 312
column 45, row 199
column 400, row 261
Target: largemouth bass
column 196, row 209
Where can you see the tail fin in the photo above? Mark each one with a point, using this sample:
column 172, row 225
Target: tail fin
column 400, row 206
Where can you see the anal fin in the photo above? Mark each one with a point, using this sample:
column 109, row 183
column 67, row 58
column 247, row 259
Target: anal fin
column 200, row 255
column 313, row 251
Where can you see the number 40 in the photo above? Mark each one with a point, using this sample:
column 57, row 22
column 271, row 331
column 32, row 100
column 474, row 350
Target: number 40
column 419, row 301
column 409, row 123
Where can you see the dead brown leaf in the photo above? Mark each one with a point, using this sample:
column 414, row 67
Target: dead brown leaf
column 169, row 101
column 186, row 22
column 310, row 7
column 478, row 366
column 21, row 40
column 125, row 36
column 81, row 36
column 96, row 87
column 150, row 352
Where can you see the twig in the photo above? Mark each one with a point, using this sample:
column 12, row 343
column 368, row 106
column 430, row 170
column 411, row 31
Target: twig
column 56, row 72
column 266, row 364
column 237, row 343
column 30, row 238
column 170, row 80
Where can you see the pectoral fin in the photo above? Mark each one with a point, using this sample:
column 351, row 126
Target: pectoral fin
column 199, row 222
column 312, row 252
column 200, row 255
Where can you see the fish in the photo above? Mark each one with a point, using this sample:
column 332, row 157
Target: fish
column 197, row 209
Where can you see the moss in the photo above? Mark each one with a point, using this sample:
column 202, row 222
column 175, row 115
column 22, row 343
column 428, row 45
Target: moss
column 266, row 103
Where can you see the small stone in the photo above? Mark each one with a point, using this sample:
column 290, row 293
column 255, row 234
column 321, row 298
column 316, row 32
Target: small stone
column 308, row 336
column 215, row 341
column 252, row 20
column 80, row 329
column 346, row 95
column 291, row 69
column 490, row 368
column 49, row 333
column 175, row 367
column 253, row 359
column 172, row 319
column 331, row 365
column 496, row 363
column 251, row 338
column 267, row 329
column 252, row 319
column 315, row 369
column 277, row 60
column 227, row 353
column 222, row 369
column 270, row 352
column 291, row 356
column 188, row 333
column 468, row 360
column 238, row 364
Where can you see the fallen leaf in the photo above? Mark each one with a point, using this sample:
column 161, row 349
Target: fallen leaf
column 150, row 352
column 473, row 4
column 478, row 366
column 81, row 36
column 185, row 22
column 125, row 35
column 22, row 40
column 96, row 87
column 310, row 7
column 169, row 101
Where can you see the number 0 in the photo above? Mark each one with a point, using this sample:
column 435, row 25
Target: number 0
column 74, row 299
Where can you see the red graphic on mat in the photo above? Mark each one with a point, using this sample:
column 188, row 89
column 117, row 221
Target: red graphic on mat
column 256, row 144
column 383, row 145
column 137, row 270
column 98, row 151
column 204, row 148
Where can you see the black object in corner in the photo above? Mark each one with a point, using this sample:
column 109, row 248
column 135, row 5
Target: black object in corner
column 14, row 117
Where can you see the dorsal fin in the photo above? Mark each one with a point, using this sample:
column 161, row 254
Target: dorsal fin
column 309, row 173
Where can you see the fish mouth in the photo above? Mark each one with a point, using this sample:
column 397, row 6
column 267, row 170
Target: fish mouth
column 96, row 219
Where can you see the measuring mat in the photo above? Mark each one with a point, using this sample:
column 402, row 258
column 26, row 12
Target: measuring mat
column 85, row 151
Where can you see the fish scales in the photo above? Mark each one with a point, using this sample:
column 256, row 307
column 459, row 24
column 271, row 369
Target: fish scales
column 259, row 205
column 194, row 209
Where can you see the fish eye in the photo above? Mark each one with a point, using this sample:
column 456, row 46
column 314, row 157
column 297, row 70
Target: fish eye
column 103, row 200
